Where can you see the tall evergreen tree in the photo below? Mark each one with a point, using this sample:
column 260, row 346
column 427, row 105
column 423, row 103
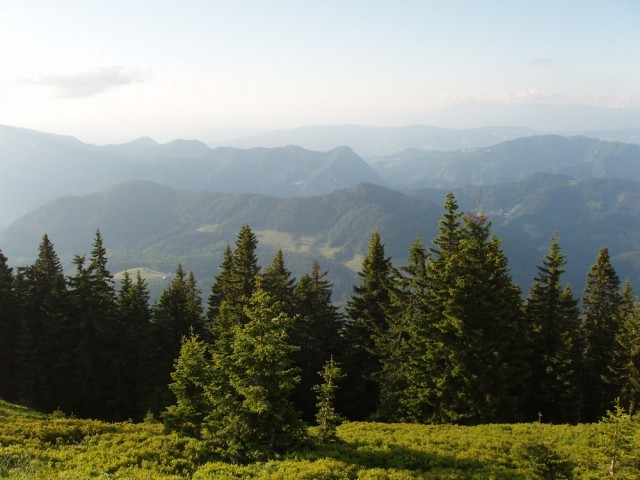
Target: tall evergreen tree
column 45, row 350
column 466, row 362
column 233, row 287
column 94, row 321
column 177, row 313
column 486, row 314
column 369, row 309
column 133, row 316
column 624, row 378
column 192, row 377
column 277, row 282
column 601, row 323
column 409, row 301
column 252, row 417
column 552, row 319
column 430, row 334
column 220, row 289
column 245, row 265
column 9, row 325
column 315, row 333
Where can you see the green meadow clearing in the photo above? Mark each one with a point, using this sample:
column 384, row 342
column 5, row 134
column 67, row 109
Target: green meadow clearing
column 39, row 446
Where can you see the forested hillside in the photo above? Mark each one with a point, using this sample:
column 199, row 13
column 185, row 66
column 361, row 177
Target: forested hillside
column 152, row 226
column 578, row 157
column 242, row 368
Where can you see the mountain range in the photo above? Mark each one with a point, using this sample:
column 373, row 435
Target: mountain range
column 39, row 167
column 158, row 205
column 149, row 225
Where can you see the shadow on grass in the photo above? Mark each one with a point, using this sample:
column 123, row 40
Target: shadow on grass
column 399, row 457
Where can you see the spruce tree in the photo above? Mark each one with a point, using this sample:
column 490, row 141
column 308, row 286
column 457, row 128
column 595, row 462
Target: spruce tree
column 601, row 323
column 219, row 288
column 624, row 377
column 552, row 320
column 252, row 417
column 315, row 333
column 245, row 265
column 409, row 301
column 9, row 325
column 277, row 282
column 369, row 309
column 431, row 335
column 233, row 287
column 46, row 339
column 93, row 319
column 178, row 312
column 464, row 361
column 327, row 418
column 191, row 379
column 486, row 370
column 133, row 316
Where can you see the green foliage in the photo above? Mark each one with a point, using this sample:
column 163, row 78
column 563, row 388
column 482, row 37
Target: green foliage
column 315, row 334
column 552, row 321
column 251, row 416
column 625, row 366
column 601, row 322
column 370, row 310
column 623, row 445
column 327, row 418
column 37, row 446
column 191, row 379
column 8, row 330
column 465, row 354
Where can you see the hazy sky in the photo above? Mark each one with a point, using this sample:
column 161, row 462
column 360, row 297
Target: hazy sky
column 111, row 71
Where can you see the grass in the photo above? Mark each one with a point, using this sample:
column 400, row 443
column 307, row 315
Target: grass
column 37, row 446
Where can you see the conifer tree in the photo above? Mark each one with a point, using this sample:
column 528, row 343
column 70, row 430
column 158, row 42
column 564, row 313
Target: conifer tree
column 93, row 319
column 624, row 377
column 178, row 312
column 409, row 301
column 465, row 362
column 133, row 316
column 486, row 370
column 431, row 336
column 192, row 377
column 369, row 309
column 552, row 319
column 233, row 287
column 251, row 416
column 9, row 325
column 245, row 265
column 327, row 418
column 315, row 333
column 219, row 288
column 277, row 282
column 601, row 323
column 46, row 340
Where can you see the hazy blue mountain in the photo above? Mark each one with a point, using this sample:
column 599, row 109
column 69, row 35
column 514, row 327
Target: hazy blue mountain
column 543, row 117
column 38, row 167
column 372, row 142
column 145, row 224
column 579, row 157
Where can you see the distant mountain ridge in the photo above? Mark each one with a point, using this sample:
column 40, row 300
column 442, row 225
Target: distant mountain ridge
column 578, row 157
column 371, row 142
column 39, row 167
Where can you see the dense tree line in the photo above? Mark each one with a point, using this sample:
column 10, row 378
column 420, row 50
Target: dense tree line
column 446, row 338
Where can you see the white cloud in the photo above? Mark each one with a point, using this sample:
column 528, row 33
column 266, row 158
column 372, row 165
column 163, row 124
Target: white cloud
column 84, row 84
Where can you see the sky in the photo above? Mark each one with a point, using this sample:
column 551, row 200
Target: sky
column 112, row 71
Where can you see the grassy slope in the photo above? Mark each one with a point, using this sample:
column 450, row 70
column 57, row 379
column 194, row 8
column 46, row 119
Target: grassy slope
column 37, row 446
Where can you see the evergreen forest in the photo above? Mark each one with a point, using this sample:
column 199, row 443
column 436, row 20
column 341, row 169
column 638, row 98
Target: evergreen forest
column 265, row 364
